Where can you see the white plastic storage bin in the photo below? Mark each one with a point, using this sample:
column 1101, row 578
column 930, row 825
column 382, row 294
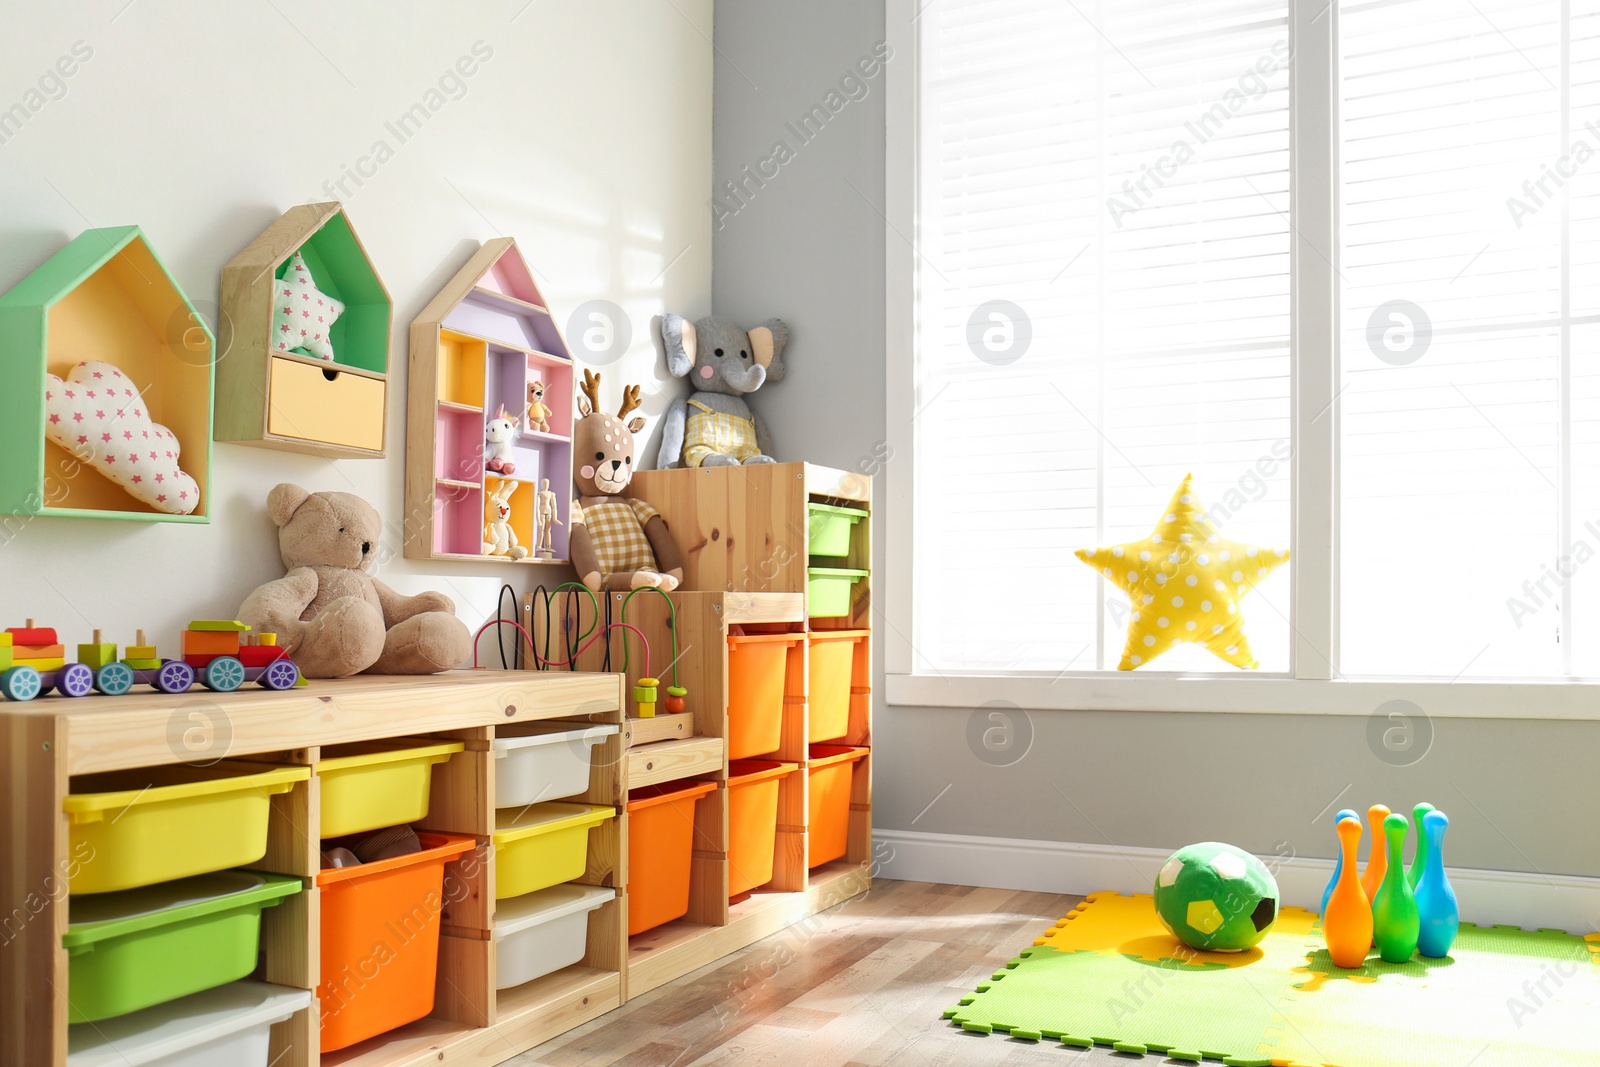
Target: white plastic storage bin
column 542, row 932
column 550, row 761
column 230, row 1025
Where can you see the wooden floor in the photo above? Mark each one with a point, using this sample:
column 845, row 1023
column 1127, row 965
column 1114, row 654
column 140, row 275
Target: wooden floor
column 863, row 984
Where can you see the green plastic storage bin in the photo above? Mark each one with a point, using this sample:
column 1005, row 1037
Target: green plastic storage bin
column 146, row 946
column 830, row 528
column 830, row 590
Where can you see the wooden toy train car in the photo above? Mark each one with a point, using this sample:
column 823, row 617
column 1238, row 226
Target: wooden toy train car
column 221, row 655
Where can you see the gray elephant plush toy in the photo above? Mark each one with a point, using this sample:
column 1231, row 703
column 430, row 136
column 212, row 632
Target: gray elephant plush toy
column 714, row 427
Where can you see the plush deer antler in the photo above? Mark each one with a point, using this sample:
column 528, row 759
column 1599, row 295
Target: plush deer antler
column 591, row 388
column 630, row 400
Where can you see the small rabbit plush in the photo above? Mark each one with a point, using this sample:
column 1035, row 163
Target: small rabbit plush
column 499, row 539
column 497, row 438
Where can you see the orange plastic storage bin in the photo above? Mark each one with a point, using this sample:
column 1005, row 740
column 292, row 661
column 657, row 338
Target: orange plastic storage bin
column 753, row 820
column 831, row 769
column 380, row 940
column 833, row 657
column 757, row 668
column 660, row 850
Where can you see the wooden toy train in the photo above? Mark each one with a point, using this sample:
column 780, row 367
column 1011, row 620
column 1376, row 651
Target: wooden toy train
column 220, row 654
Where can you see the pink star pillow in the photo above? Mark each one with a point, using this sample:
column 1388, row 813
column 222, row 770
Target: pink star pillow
column 302, row 316
column 98, row 415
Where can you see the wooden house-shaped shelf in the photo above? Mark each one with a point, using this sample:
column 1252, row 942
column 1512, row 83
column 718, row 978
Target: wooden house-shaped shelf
column 478, row 345
column 105, row 296
column 286, row 399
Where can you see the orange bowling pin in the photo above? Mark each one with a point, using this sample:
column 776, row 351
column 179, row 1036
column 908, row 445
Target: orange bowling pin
column 1378, row 862
column 1347, row 923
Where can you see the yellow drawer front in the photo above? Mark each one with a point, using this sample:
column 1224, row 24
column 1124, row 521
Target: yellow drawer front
column 345, row 411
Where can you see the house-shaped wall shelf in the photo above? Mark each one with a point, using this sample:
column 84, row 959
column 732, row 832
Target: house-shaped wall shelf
column 284, row 398
column 105, row 296
column 478, row 345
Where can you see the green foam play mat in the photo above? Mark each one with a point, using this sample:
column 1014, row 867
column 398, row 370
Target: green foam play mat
column 1109, row 974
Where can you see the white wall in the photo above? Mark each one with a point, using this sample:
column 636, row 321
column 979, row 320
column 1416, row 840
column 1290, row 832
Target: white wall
column 585, row 134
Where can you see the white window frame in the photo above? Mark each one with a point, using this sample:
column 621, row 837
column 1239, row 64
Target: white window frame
column 1312, row 686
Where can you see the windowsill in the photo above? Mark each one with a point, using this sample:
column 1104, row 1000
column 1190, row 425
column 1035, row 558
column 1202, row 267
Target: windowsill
column 1257, row 695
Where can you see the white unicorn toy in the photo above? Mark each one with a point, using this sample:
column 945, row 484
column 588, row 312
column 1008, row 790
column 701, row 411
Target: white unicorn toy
column 497, row 438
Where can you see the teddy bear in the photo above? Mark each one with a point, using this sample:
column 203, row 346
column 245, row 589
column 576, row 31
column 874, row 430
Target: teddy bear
column 331, row 615
column 539, row 412
column 714, row 426
column 615, row 542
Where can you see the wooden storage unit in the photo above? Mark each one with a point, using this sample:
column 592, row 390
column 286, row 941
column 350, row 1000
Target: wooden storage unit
column 286, row 399
column 49, row 740
column 45, row 742
column 104, row 296
column 481, row 343
column 715, row 927
column 746, row 529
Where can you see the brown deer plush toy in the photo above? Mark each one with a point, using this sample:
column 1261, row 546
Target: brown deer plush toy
column 616, row 542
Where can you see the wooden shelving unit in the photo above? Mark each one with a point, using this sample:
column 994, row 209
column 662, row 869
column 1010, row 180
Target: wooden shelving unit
column 104, row 296
column 746, row 529
column 478, row 345
column 747, row 553
column 285, row 399
column 48, row 741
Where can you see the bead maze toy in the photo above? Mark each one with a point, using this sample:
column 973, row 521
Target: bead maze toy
column 646, row 691
column 221, row 655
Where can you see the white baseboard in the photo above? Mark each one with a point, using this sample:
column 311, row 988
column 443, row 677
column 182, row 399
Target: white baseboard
column 1511, row 898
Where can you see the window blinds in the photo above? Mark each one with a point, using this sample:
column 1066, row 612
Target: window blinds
column 1103, row 302
column 1469, row 137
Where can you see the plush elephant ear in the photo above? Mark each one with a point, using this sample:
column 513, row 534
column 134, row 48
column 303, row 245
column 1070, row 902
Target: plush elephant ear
column 284, row 500
column 767, row 342
column 678, row 335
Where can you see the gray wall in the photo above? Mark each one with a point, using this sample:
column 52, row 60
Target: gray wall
column 808, row 247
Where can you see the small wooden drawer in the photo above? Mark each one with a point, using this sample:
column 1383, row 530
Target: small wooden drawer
column 330, row 404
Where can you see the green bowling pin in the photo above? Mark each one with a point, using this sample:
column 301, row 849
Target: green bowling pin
column 1419, row 862
column 1396, row 921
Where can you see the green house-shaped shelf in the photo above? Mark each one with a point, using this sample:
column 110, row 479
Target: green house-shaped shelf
column 481, row 343
column 286, row 399
column 105, row 296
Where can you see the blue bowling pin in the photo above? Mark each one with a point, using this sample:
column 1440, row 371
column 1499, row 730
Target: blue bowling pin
column 1419, row 862
column 1436, row 899
column 1338, row 859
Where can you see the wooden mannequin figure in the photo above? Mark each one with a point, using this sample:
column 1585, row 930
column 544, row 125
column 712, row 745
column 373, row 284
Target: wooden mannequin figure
column 545, row 505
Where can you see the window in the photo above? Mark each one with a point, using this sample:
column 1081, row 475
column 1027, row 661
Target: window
column 1103, row 307
column 1104, row 296
column 1470, row 399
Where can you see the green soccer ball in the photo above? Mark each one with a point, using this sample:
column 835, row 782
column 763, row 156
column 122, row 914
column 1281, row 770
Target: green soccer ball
column 1216, row 898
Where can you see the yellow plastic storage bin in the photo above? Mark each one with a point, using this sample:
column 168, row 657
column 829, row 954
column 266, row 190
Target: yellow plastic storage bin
column 154, row 824
column 372, row 784
column 542, row 845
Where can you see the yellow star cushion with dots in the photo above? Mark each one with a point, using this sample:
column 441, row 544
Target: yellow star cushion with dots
column 1184, row 583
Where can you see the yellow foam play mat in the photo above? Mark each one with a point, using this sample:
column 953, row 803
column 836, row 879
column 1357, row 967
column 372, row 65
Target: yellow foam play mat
column 1110, row 974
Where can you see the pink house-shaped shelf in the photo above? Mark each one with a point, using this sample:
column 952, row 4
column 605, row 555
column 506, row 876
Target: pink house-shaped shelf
column 479, row 344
